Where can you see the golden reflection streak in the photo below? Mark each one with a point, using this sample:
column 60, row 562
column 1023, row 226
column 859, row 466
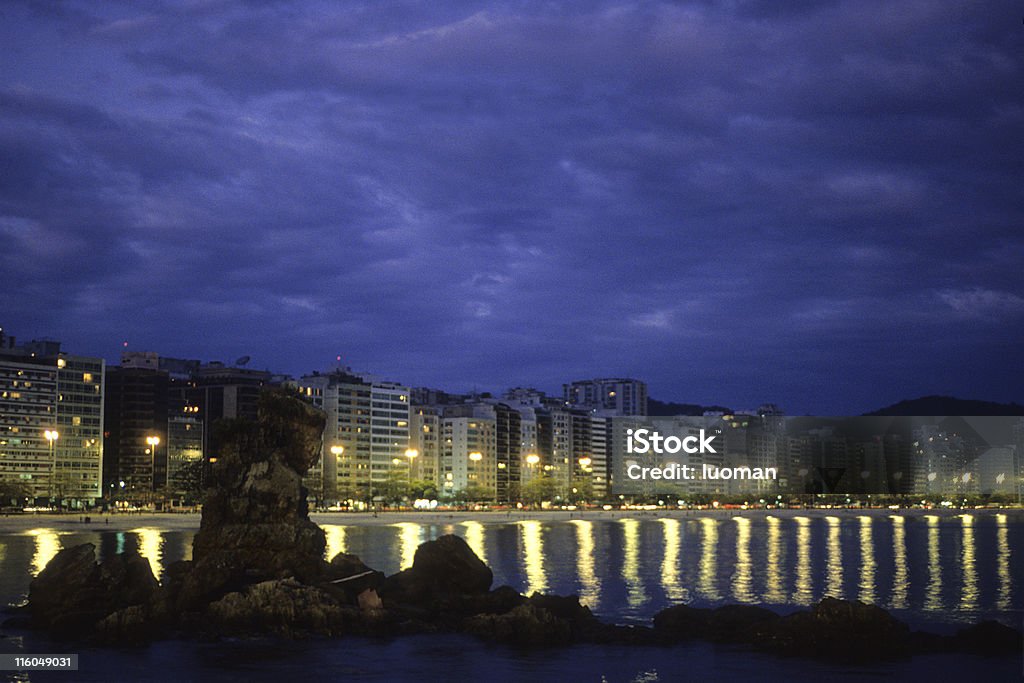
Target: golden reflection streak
column 188, row 541
column 475, row 539
column 867, row 562
column 670, row 561
column 834, row 563
column 47, row 545
column 933, row 598
column 741, row 578
column 969, row 593
column 899, row 552
column 774, row 593
column 533, row 557
column 636, row 596
column 409, row 537
column 336, row 541
column 151, row 548
column 708, row 558
column 590, row 593
column 1002, row 562
column 802, row 595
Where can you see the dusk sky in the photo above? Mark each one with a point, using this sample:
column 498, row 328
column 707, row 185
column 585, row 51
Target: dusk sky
column 819, row 204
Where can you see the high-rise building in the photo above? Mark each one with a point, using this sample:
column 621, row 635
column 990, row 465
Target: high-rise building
column 153, row 425
column 469, row 450
column 607, row 396
column 51, row 421
column 366, row 436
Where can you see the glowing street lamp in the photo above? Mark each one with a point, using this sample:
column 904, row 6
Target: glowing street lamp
column 532, row 459
column 51, row 435
column 585, row 462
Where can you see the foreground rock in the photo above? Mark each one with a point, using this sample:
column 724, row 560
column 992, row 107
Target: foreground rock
column 836, row 630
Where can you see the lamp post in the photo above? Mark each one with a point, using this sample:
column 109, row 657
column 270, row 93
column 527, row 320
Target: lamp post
column 474, row 457
column 51, row 435
column 411, row 454
column 337, row 450
column 153, row 441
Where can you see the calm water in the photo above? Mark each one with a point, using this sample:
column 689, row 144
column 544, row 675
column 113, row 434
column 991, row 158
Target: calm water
column 936, row 571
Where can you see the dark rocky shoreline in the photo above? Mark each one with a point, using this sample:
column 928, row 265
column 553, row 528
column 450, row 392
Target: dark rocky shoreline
column 258, row 570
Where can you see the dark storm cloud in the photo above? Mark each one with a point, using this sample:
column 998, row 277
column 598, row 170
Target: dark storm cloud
column 816, row 203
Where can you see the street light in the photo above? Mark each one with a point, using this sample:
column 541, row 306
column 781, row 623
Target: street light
column 532, row 459
column 52, row 435
column 153, row 442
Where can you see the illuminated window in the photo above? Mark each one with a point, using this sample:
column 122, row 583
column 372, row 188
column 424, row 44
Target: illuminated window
column 76, row 420
column 86, row 377
column 61, row 362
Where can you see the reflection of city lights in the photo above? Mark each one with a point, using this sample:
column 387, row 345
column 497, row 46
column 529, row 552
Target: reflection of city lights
column 741, row 581
column 899, row 552
column 151, row 548
column 474, row 537
column 933, row 598
column 590, row 585
column 670, row 561
column 867, row 562
column 1002, row 563
column 636, row 596
column 774, row 593
column 834, row 576
column 335, row 540
column 409, row 538
column 969, row 594
column 802, row 595
column 47, row 545
column 707, row 579
column 533, row 557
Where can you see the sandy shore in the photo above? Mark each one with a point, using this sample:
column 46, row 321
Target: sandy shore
column 190, row 522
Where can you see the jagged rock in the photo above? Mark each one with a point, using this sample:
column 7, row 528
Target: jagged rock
column 255, row 524
column 526, row 625
column 989, row 638
column 74, row 591
column 282, row 607
column 440, row 569
column 841, row 630
column 726, row 624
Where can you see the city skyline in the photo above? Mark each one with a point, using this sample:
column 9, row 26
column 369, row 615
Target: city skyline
column 817, row 206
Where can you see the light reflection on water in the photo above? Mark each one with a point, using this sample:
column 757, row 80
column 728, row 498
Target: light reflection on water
column 47, row 545
column 637, row 596
column 590, row 585
column 969, row 594
column 867, row 562
column 933, row 599
column 899, row 554
column 1003, row 563
column 335, row 536
column 952, row 567
column 474, row 535
column 151, row 548
column 742, row 581
column 834, row 576
column 802, row 595
column 670, row 561
column 774, row 593
column 709, row 559
column 533, row 557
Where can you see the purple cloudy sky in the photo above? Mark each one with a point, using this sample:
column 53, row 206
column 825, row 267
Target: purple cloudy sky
column 819, row 205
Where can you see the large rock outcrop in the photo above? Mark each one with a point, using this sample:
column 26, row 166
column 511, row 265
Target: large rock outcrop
column 255, row 524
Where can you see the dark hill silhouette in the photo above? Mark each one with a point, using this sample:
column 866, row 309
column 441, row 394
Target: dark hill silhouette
column 658, row 408
column 948, row 405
